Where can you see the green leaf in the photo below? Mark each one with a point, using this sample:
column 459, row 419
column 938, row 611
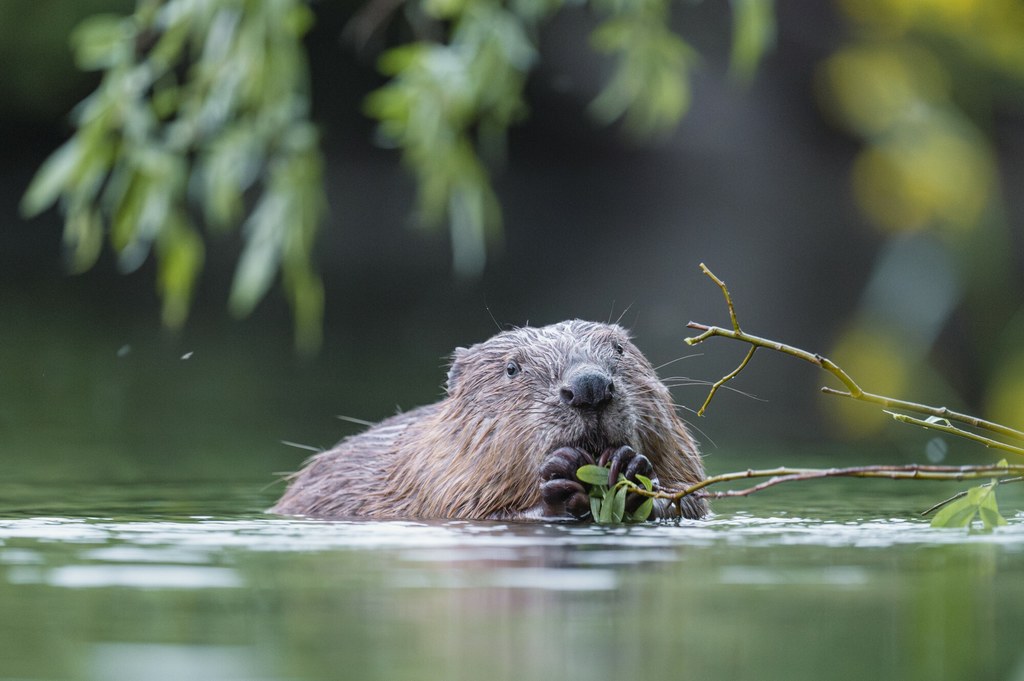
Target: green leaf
column 169, row 47
column 957, row 513
column 444, row 9
column 991, row 518
column 988, row 508
column 298, row 19
column 606, row 516
column 979, row 502
column 100, row 41
column 466, row 209
column 650, row 85
column 83, row 236
column 592, row 475
column 180, row 252
column 52, row 178
column 231, row 164
column 610, row 36
column 126, row 213
column 619, row 504
column 643, row 512
column 753, row 34
column 609, row 505
column 400, row 58
column 259, row 262
column 306, row 294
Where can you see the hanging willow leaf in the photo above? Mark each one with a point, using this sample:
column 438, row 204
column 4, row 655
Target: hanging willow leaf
column 201, row 103
column 181, row 258
column 753, row 33
column 52, row 178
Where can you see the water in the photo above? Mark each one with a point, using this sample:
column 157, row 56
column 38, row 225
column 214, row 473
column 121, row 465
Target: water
column 192, row 581
column 133, row 543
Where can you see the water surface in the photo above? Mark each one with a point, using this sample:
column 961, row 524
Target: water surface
column 192, row 581
column 133, row 543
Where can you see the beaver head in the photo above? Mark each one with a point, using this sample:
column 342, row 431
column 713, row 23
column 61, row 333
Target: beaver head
column 514, row 398
column 574, row 383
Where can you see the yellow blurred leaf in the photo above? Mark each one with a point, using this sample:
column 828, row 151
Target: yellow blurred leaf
column 753, row 34
column 929, row 175
column 1005, row 397
column 879, row 364
column 181, row 254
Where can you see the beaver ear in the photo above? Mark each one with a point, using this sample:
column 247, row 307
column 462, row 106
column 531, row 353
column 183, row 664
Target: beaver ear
column 455, row 369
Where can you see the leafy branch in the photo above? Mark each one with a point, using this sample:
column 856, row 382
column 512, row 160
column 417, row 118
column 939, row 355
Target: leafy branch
column 202, row 124
column 783, row 474
column 608, row 503
column 961, row 510
column 200, row 106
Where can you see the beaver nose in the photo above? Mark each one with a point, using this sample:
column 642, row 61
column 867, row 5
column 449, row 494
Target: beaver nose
column 588, row 391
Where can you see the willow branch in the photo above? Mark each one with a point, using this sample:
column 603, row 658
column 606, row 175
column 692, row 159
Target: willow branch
column 950, row 429
column 725, row 292
column 725, row 379
column 777, row 476
column 853, row 390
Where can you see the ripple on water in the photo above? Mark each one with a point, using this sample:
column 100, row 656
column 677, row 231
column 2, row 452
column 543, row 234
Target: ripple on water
column 202, row 553
column 191, row 540
column 132, row 576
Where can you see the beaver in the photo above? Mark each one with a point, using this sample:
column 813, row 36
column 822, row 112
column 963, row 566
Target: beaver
column 523, row 411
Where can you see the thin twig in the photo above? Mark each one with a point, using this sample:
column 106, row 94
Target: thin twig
column 950, row 429
column 777, row 476
column 961, row 495
column 725, row 379
column 936, row 507
column 725, row 292
column 853, row 390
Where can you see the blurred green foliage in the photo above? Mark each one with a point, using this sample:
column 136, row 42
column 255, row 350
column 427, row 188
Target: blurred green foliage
column 200, row 104
column 203, row 115
column 922, row 84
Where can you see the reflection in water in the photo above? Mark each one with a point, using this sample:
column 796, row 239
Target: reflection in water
column 742, row 595
column 133, row 576
column 162, row 662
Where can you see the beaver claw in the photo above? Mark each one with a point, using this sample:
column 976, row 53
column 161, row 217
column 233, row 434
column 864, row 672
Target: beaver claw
column 630, row 463
column 627, row 461
column 560, row 491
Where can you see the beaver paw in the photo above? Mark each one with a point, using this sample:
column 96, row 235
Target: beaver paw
column 628, row 462
column 560, row 491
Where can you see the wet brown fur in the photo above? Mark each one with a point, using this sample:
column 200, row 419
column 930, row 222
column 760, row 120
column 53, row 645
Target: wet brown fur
column 476, row 453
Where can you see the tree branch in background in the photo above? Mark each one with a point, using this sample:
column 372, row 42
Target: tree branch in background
column 939, row 418
column 777, row 476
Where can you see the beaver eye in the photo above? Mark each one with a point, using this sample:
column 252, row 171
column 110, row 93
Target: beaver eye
column 619, row 348
column 512, row 369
